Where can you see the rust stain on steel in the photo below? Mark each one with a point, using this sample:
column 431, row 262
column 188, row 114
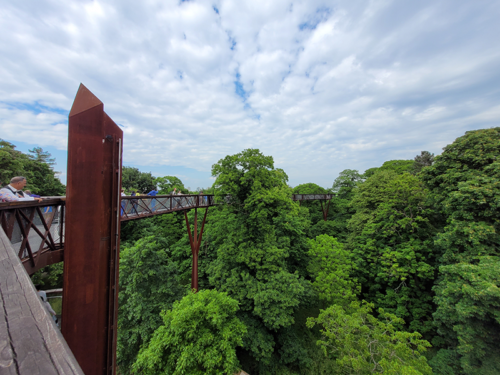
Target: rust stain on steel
column 92, row 226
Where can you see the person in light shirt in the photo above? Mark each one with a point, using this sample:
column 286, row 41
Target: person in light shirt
column 14, row 193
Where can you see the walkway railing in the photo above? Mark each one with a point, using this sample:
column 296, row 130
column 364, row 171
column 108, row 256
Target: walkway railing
column 141, row 206
column 35, row 230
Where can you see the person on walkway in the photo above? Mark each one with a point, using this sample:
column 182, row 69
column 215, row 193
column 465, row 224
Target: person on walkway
column 14, row 193
column 49, row 309
column 153, row 193
column 174, row 201
column 41, row 292
column 134, row 203
column 179, row 200
column 30, row 194
column 123, row 204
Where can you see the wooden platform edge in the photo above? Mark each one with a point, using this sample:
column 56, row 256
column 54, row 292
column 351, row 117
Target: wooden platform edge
column 30, row 342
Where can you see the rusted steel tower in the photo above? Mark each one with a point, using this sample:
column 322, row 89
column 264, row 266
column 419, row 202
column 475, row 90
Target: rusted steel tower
column 92, row 244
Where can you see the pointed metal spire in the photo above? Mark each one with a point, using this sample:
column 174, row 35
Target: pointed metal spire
column 84, row 100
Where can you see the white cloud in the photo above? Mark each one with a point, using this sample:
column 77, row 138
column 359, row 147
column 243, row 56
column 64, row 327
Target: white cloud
column 322, row 86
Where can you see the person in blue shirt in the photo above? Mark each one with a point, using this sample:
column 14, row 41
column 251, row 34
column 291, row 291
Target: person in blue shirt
column 153, row 193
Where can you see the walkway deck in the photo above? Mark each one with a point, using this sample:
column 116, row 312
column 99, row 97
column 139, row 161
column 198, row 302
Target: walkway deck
column 30, row 342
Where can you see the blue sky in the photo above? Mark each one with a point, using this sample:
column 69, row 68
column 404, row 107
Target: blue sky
column 321, row 86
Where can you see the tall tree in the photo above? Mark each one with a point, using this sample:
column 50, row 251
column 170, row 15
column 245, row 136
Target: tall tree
column 262, row 248
column 391, row 242
column 42, row 156
column 425, row 159
column 133, row 179
column 465, row 185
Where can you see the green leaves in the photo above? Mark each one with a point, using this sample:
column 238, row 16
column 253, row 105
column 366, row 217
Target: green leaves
column 135, row 180
column 331, row 267
column 391, row 241
column 468, row 313
column 362, row 344
column 37, row 169
column 148, row 284
column 198, row 336
column 167, row 184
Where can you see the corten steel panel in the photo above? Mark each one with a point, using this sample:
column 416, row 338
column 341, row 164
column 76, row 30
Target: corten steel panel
column 91, row 244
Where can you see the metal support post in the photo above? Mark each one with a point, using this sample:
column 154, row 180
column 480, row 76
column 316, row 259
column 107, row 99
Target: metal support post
column 195, row 242
column 92, row 235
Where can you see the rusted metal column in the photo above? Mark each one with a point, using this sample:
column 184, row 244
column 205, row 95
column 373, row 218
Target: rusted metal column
column 195, row 242
column 92, row 234
column 325, row 210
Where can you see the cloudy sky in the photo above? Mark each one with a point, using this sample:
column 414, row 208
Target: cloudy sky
column 322, row 86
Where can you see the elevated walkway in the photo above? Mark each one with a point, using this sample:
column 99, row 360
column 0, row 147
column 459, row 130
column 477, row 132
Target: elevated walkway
column 30, row 342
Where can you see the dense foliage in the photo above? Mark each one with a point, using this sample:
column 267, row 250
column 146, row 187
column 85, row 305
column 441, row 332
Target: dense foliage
column 199, row 335
column 362, row 344
column 409, row 254
column 135, row 180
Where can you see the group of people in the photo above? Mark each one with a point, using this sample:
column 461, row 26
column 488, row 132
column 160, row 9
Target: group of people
column 13, row 192
column 153, row 193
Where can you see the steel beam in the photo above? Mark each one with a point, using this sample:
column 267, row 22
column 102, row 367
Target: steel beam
column 92, row 234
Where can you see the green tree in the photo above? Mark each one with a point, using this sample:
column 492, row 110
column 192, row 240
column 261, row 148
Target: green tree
column 362, row 344
column 425, row 159
column 199, row 335
column 331, row 268
column 42, row 180
column 133, row 179
column 397, row 166
column 37, row 169
column 262, row 250
column 148, row 284
column 11, row 162
column 167, row 184
column 465, row 186
column 346, row 183
column 340, row 210
column 391, row 242
column 49, row 277
column 42, row 156
column 468, row 315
